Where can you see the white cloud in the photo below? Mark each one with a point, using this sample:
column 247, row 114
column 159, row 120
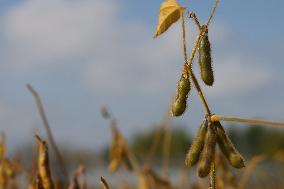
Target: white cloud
column 45, row 32
column 117, row 56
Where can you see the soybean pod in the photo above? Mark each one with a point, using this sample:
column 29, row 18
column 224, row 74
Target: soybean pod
column 228, row 148
column 205, row 60
column 197, row 145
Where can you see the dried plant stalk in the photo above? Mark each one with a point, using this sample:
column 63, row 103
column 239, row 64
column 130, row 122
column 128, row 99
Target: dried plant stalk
column 43, row 116
column 246, row 120
column 104, row 183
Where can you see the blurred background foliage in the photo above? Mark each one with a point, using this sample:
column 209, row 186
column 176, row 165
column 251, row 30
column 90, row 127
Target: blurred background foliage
column 250, row 140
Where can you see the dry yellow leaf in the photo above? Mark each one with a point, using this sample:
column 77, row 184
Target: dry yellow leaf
column 43, row 165
column 170, row 12
column 118, row 151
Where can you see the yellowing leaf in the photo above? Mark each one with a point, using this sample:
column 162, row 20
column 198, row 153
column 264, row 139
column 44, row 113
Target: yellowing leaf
column 170, row 12
column 118, row 151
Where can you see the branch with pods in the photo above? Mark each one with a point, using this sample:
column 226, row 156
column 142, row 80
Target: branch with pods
column 211, row 133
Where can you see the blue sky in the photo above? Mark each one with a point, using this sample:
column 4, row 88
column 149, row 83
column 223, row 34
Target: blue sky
column 83, row 54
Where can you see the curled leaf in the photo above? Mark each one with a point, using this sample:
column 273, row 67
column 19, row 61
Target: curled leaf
column 170, row 12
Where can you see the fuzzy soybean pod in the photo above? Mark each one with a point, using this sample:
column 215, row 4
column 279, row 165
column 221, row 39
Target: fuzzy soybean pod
column 205, row 61
column 208, row 153
column 179, row 107
column 197, row 145
column 43, row 165
column 228, row 148
column 183, row 88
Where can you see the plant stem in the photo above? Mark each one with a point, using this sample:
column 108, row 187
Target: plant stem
column 246, row 120
column 193, row 51
column 184, row 37
column 200, row 93
column 49, row 133
column 212, row 13
column 192, row 15
column 213, row 176
column 104, row 183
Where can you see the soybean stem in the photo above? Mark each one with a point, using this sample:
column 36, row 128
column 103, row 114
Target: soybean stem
column 212, row 13
column 213, row 176
column 200, row 93
column 192, row 15
column 193, row 51
column 184, row 37
column 246, row 120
